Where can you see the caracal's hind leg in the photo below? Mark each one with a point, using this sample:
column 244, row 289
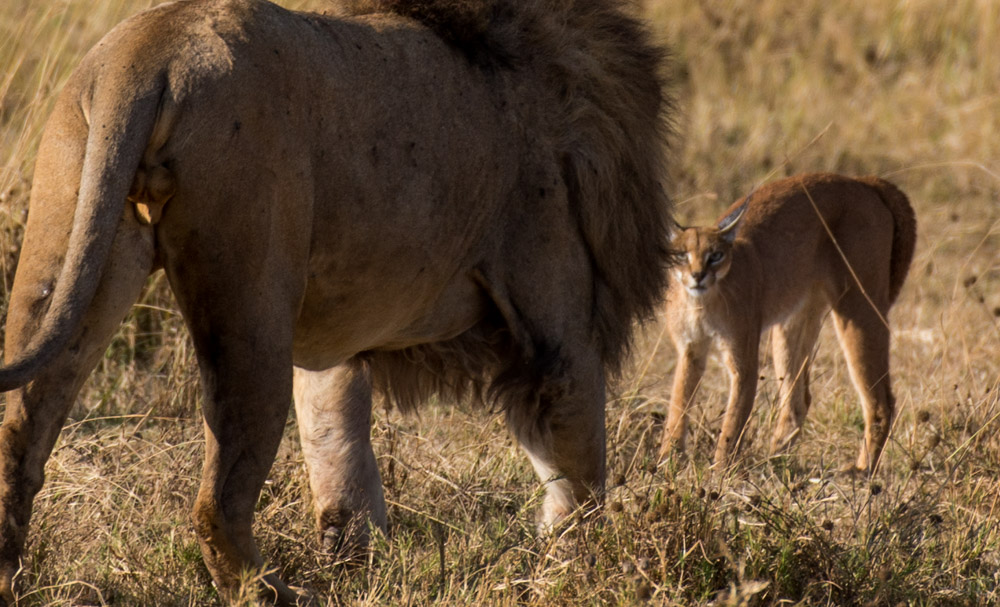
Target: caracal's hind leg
column 35, row 413
column 864, row 338
column 741, row 361
column 334, row 416
column 563, row 434
column 691, row 358
column 792, row 344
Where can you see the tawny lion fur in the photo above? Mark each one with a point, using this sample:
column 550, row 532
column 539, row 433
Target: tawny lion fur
column 795, row 250
column 416, row 197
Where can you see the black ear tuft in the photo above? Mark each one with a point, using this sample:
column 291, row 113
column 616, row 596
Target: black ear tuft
column 729, row 224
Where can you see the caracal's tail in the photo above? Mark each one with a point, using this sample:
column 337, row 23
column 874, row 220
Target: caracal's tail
column 904, row 233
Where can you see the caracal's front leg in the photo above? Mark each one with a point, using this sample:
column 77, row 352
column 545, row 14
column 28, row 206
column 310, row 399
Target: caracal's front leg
column 691, row 358
column 741, row 361
column 792, row 346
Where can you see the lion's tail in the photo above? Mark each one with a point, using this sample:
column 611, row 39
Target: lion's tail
column 904, row 233
column 120, row 127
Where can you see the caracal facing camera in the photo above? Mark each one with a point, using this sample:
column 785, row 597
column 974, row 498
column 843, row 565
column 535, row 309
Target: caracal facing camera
column 792, row 251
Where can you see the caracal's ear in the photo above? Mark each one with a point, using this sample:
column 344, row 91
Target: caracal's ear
column 674, row 242
column 729, row 224
column 676, row 230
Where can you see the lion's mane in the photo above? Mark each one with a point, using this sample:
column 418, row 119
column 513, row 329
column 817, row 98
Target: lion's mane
column 608, row 124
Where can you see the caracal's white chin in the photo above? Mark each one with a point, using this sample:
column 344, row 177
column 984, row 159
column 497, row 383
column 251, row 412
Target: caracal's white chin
column 696, row 290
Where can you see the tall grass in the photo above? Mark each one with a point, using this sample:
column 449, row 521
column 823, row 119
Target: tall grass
column 890, row 86
column 908, row 90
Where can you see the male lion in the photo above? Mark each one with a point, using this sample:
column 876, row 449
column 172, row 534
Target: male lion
column 416, row 198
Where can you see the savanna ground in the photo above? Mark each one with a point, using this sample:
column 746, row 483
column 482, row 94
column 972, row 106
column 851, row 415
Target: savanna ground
column 906, row 90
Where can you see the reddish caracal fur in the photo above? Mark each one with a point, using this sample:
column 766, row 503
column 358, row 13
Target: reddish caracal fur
column 793, row 251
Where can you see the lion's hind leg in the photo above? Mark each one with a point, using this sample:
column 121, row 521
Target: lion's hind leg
column 333, row 408
column 35, row 413
column 243, row 340
column 247, row 376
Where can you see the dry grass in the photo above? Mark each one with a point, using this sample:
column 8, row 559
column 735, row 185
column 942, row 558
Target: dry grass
column 905, row 90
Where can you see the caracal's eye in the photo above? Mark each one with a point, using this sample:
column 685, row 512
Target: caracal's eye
column 716, row 257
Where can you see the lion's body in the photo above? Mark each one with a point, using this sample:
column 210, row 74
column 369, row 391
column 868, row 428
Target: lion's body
column 803, row 247
column 360, row 197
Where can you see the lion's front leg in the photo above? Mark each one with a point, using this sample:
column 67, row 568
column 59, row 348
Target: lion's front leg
column 564, row 436
column 333, row 408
